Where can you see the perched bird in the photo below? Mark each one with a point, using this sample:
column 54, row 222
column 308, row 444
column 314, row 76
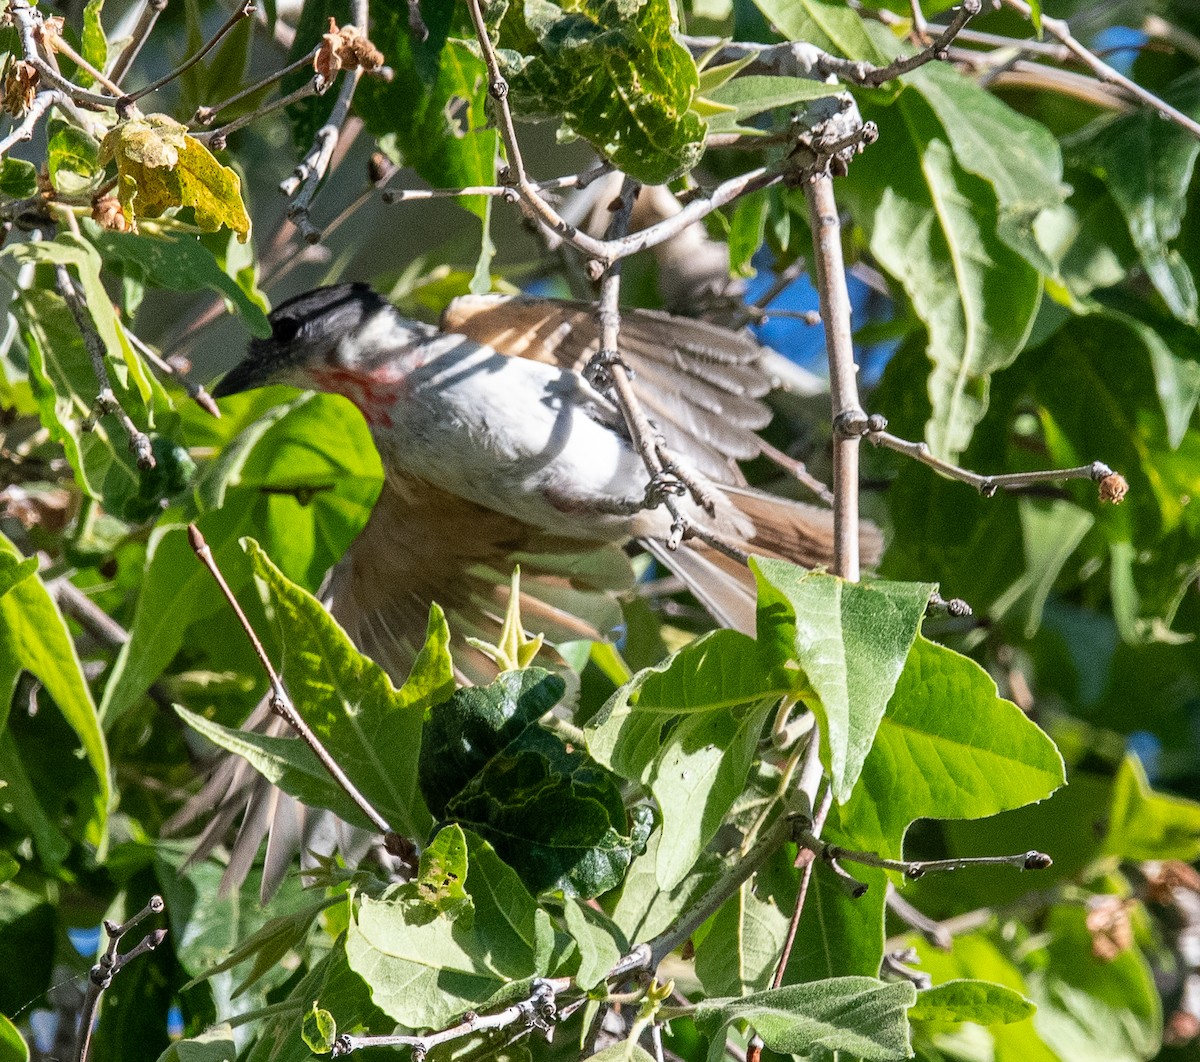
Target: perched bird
column 497, row 450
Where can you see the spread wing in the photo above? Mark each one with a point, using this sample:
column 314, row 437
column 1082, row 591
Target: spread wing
column 701, row 384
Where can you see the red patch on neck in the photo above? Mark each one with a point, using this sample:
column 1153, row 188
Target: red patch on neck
column 373, row 393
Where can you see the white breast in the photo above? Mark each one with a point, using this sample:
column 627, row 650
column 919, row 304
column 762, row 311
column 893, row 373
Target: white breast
column 517, row 436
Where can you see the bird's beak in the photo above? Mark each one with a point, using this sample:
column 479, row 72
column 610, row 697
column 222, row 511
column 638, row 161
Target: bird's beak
column 245, row 376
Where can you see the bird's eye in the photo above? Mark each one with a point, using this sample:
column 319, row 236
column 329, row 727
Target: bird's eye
column 284, row 329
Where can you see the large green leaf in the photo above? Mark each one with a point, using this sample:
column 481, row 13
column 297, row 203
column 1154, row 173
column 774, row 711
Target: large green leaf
column 371, row 729
column 181, row 263
column 34, row 637
column 424, row 971
column 948, row 748
column 935, row 228
column 829, row 25
column 553, row 814
column 613, row 71
column 722, row 686
column 859, row 1015
column 966, row 999
column 849, row 642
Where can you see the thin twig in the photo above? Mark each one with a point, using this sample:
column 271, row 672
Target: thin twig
column 830, row 276
column 281, row 703
column 1112, row 485
column 42, row 102
column 194, row 391
column 302, row 185
column 216, row 138
column 963, row 14
column 106, row 400
column 205, row 115
column 932, row 931
column 28, row 20
column 147, row 17
column 111, row 964
column 244, row 11
column 833, row 854
column 1061, row 31
column 64, row 48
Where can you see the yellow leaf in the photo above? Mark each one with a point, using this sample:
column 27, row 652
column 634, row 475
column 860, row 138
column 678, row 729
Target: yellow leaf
column 160, row 167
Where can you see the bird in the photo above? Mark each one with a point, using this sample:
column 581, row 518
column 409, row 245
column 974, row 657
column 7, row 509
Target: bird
column 499, row 447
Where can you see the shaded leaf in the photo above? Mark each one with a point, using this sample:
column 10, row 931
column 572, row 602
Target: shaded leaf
column 859, row 1015
column 966, row 999
column 1145, row 825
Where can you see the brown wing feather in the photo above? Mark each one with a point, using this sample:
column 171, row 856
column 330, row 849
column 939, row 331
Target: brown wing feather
column 701, row 384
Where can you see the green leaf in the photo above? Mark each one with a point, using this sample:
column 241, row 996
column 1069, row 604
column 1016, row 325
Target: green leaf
column 746, row 229
column 723, row 687
column 319, row 1030
column 425, row 971
column 18, row 178
column 742, row 945
column 212, row 1045
column 966, row 999
column 93, row 43
column 613, row 71
column 1147, row 166
column 13, row 1047
column 72, row 159
column 371, row 729
column 442, row 872
column 849, row 642
column 936, row 228
column 181, row 263
column 160, row 167
column 301, row 479
column 949, row 748
column 34, row 637
column 1088, row 1007
column 623, row 1051
column 840, row 935
column 599, row 948
column 554, row 815
column 831, row 26
column 1018, row 156
column 14, row 570
column 752, row 94
column 859, row 1015
column 1146, row 825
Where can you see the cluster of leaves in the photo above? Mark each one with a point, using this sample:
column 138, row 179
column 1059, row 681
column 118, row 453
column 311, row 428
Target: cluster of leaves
column 1030, row 331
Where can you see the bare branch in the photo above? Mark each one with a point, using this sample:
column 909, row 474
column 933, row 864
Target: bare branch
column 205, row 115
column 106, row 400
column 216, row 138
column 124, row 104
column 42, row 102
column 29, row 23
column 538, row 1011
column 830, row 278
column 1061, row 31
column 194, row 390
column 1112, row 485
column 913, row 869
column 147, row 17
column 111, row 963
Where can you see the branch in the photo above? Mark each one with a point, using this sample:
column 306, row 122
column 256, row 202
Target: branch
column 538, row 1011
column 147, row 17
column 833, row 854
column 42, row 102
column 29, row 24
column 126, row 102
column 195, row 391
column 848, row 415
column 1112, row 485
column 281, row 704
column 216, row 138
column 106, row 401
column 801, row 59
column 1061, row 31
column 111, row 964
column 205, row 115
